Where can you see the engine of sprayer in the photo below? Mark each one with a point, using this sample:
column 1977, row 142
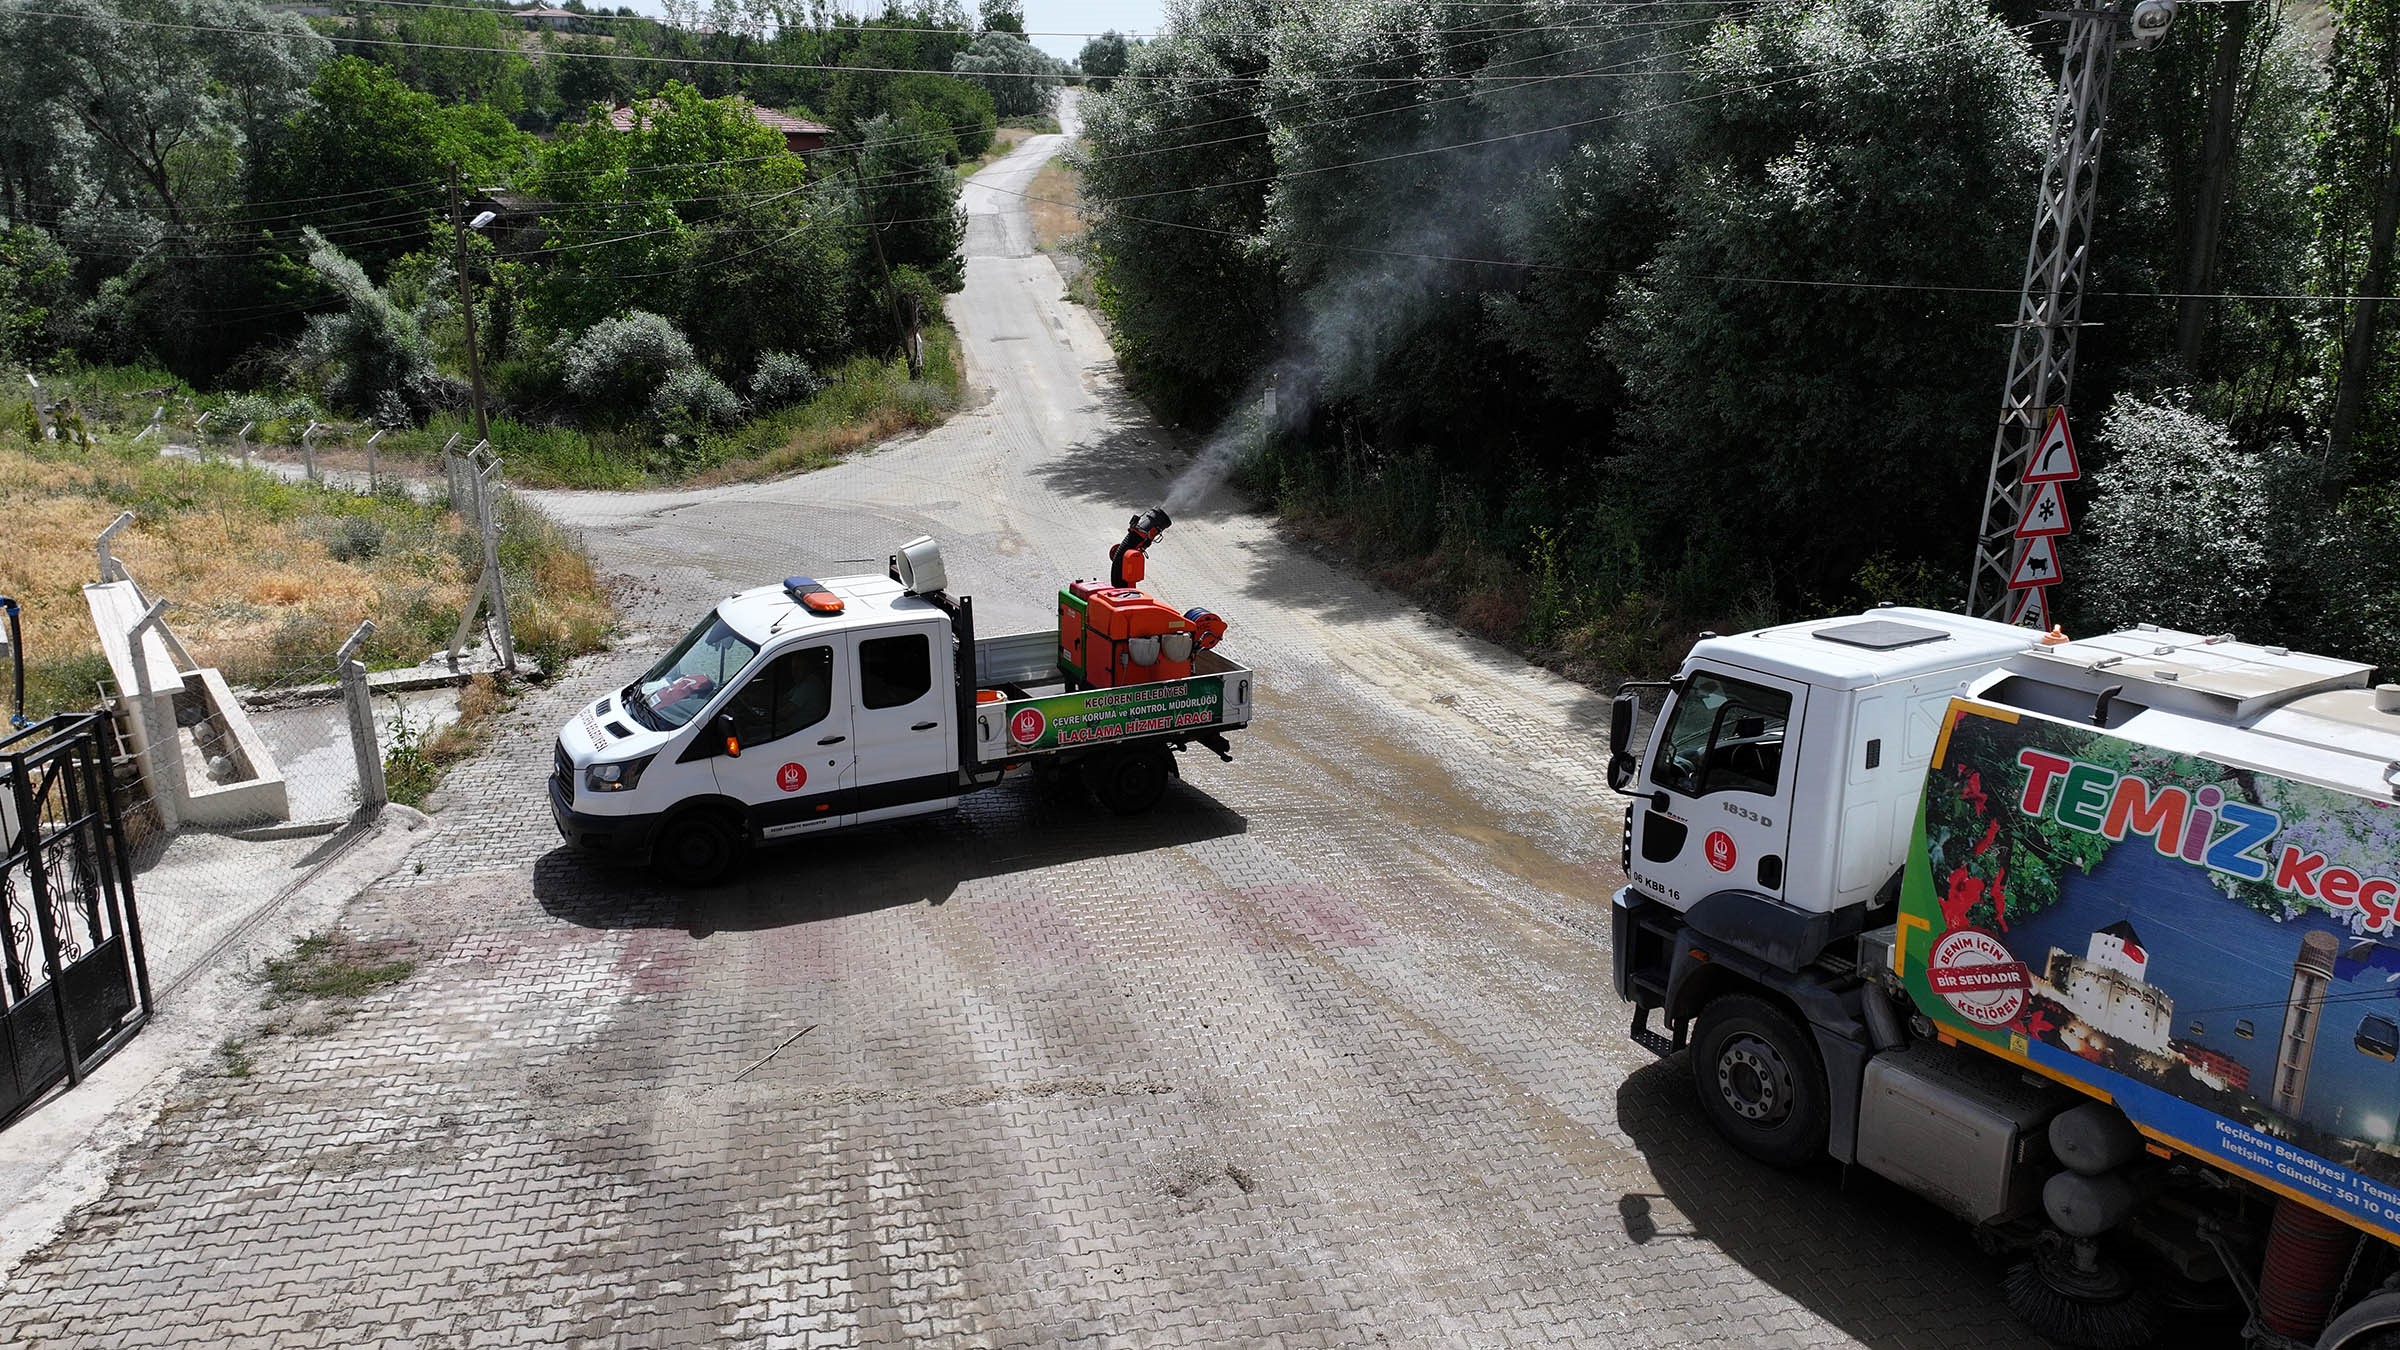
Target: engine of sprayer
column 1111, row 633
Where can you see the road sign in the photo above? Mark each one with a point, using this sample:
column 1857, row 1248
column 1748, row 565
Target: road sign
column 2030, row 608
column 2045, row 512
column 2054, row 459
column 2037, row 564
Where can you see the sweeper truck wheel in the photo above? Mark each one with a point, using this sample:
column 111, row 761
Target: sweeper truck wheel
column 1129, row 782
column 1759, row 1081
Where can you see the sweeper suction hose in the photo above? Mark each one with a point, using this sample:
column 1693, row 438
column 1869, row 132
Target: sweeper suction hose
column 2306, row 1255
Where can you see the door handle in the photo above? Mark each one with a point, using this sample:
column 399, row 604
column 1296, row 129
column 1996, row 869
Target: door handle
column 924, row 726
column 833, row 740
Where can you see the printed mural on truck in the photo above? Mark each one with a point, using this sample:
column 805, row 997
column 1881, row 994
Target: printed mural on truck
column 2210, row 946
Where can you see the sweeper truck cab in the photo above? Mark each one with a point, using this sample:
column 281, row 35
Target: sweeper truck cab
column 2091, row 943
column 813, row 705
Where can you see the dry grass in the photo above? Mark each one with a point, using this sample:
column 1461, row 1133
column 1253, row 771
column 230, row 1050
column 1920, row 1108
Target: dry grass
column 264, row 578
column 1055, row 200
column 1004, row 141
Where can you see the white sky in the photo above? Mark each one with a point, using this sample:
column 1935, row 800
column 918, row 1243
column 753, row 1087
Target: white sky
column 1088, row 16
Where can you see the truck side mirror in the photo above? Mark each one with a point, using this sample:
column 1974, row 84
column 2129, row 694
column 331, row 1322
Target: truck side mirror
column 722, row 732
column 1621, row 764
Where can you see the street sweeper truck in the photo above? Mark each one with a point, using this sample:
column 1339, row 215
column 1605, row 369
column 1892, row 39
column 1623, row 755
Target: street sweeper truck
column 805, row 707
column 2091, row 943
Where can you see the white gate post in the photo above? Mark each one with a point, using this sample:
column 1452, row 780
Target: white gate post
column 372, row 794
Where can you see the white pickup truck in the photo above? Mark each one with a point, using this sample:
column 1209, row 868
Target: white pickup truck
column 814, row 705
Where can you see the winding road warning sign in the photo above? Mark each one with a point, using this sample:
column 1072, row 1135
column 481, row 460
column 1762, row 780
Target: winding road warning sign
column 2054, row 458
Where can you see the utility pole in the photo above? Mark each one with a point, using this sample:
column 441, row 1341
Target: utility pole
column 466, row 300
column 2041, row 358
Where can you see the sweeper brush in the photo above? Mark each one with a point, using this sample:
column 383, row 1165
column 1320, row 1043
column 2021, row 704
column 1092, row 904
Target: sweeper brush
column 2071, row 1294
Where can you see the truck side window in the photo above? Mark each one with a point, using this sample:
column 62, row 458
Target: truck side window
column 894, row 672
column 793, row 693
column 1726, row 736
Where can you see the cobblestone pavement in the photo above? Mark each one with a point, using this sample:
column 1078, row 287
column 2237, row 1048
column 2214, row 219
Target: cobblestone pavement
column 1321, row 1052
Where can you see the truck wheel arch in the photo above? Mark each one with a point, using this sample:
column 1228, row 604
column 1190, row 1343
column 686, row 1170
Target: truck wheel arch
column 2370, row 1324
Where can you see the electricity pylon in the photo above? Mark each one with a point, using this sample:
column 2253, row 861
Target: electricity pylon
column 2041, row 359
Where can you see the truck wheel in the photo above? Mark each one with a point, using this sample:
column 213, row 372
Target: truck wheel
column 698, row 848
column 1131, row 782
column 1759, row 1080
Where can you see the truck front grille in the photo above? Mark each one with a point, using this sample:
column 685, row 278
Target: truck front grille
column 563, row 769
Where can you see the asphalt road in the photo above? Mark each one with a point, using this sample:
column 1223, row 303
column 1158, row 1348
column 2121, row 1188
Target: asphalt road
column 1320, row 1052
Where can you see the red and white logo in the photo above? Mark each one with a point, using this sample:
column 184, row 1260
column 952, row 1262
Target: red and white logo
column 1719, row 847
column 1027, row 726
column 1976, row 974
column 791, row 778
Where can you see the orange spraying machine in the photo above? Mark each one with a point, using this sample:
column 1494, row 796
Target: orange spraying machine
column 1114, row 634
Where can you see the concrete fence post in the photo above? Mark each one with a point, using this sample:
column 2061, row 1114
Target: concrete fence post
column 161, row 757
column 373, row 796
column 371, row 440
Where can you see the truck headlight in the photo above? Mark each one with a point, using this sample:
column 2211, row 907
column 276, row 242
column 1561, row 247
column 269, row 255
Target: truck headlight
column 618, row 777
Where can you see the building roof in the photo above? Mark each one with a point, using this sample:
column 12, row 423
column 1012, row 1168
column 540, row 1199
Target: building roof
column 625, row 118
column 2122, row 930
column 548, row 12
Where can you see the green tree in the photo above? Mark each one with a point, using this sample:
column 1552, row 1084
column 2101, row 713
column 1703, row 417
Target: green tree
column 1103, row 59
column 1796, row 348
column 35, row 289
column 461, row 55
column 376, row 150
column 371, row 354
column 2359, row 196
column 1019, row 76
column 908, row 197
column 699, row 210
column 1175, row 216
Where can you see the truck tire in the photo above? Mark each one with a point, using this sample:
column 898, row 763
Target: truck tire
column 1759, row 1080
column 698, row 848
column 1130, row 782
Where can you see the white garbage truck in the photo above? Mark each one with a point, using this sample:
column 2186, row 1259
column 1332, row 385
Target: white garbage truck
column 809, row 706
column 2091, row 943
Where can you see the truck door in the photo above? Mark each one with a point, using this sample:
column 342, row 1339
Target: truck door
column 1721, row 777
column 906, row 722
column 798, row 768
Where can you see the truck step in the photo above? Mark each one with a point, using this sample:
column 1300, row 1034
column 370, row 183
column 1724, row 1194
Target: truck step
column 1654, row 1042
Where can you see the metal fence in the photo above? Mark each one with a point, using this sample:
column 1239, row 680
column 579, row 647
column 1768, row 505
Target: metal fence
column 74, row 982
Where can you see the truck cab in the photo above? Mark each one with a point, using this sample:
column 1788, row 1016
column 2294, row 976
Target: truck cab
column 1782, row 775
column 785, row 710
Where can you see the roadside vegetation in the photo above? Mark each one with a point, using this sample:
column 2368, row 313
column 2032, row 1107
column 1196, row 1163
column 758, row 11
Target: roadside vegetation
column 662, row 266
column 1594, row 363
column 264, row 578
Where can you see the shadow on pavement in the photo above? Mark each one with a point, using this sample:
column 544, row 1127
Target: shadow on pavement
column 1869, row 1258
column 1012, row 828
column 1130, row 465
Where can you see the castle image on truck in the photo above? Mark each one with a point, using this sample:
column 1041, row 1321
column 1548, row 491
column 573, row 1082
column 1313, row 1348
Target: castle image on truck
column 2109, row 994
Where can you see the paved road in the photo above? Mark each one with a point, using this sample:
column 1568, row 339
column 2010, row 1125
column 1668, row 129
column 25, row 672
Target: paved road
column 1322, row 1052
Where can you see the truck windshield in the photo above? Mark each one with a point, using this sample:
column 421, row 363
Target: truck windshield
column 1726, row 736
column 685, row 679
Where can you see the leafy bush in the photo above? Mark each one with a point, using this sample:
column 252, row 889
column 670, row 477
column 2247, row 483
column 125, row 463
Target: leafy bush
column 783, row 378
column 369, row 349
column 691, row 399
column 618, row 362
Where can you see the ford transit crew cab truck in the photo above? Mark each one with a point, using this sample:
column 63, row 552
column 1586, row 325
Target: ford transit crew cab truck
column 2091, row 943
column 814, row 705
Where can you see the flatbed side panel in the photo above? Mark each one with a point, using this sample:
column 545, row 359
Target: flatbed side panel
column 2206, row 945
column 1085, row 719
column 1017, row 658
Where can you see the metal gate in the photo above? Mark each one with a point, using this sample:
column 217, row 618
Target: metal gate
column 74, row 985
